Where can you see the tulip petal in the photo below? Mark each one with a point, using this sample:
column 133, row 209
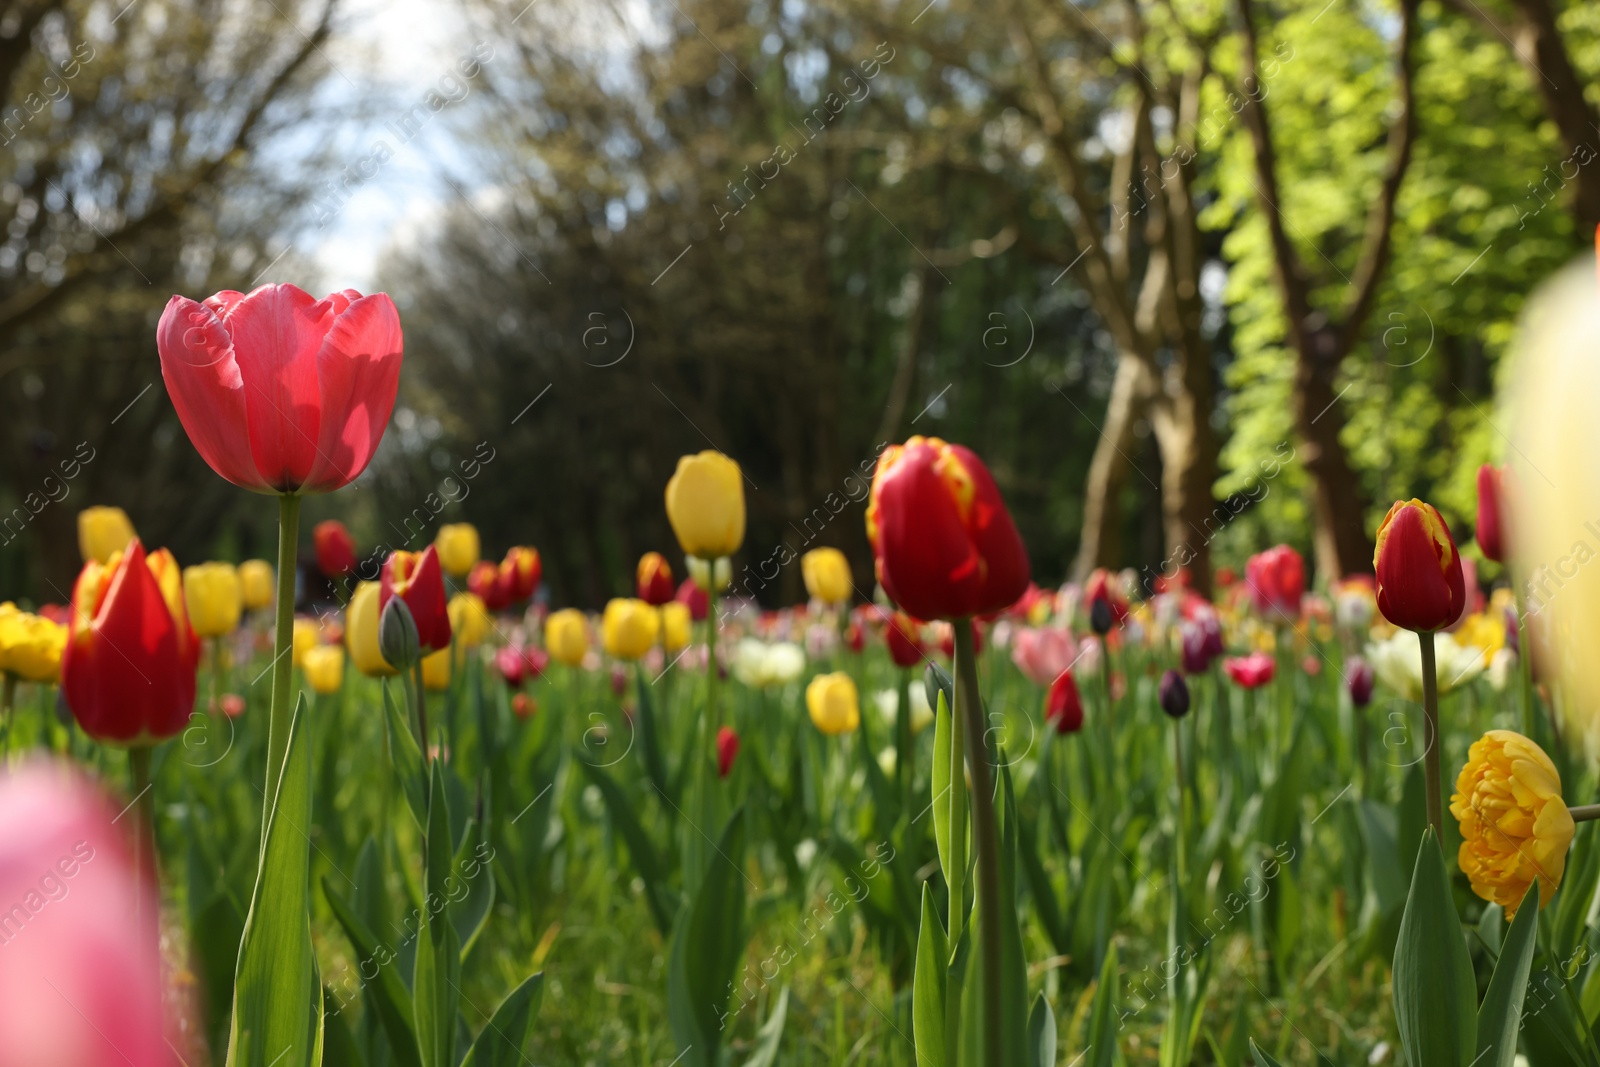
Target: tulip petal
column 358, row 370
column 277, row 332
column 203, row 380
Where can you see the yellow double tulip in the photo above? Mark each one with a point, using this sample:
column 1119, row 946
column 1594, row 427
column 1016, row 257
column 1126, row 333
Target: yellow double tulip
column 211, row 593
column 361, row 632
column 629, row 628
column 457, row 545
column 30, row 645
column 103, row 532
column 705, row 504
column 827, row 575
column 833, row 703
column 566, row 636
column 256, row 582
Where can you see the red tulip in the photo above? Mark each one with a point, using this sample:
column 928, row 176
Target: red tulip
column 489, row 583
column 512, row 667
column 697, row 600
column 1420, row 584
column 1098, row 590
column 1491, row 496
column 415, row 577
column 1360, row 678
column 727, row 749
column 943, row 540
column 128, row 670
column 80, row 974
column 523, row 706
column 1063, row 707
column 336, row 549
column 855, row 637
column 654, row 579
column 521, row 571
column 1252, row 671
column 904, row 638
column 279, row 392
column 1277, row 582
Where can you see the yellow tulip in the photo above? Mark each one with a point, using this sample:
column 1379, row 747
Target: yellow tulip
column 211, row 593
column 457, row 544
column 306, row 634
column 566, row 636
column 705, row 504
column 324, row 667
column 30, row 645
column 1514, row 825
column 103, row 532
column 827, row 575
column 675, row 626
column 361, row 632
column 256, row 584
column 629, row 628
column 832, row 701
column 469, row 620
column 436, row 670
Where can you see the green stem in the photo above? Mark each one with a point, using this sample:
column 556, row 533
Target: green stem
column 1525, row 668
column 1584, row 812
column 144, row 842
column 984, row 838
column 282, row 649
column 422, row 709
column 902, row 736
column 1177, row 768
column 1430, row 756
column 8, row 716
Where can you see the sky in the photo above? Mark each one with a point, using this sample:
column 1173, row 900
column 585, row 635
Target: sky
column 404, row 48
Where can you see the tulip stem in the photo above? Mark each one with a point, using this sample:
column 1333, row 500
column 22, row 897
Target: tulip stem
column 1177, row 768
column 282, row 649
column 1584, row 812
column 983, row 833
column 1430, row 757
column 422, row 709
column 144, row 841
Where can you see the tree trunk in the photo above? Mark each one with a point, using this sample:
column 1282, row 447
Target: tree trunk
column 1101, row 543
column 1340, row 537
column 1541, row 49
column 1188, row 471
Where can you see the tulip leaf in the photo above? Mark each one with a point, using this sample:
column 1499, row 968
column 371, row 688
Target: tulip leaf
column 1013, row 961
column 405, row 759
column 385, row 989
column 707, row 941
column 941, row 782
column 645, row 859
column 504, row 1039
column 1101, row 1051
column 277, row 992
column 928, row 985
column 341, row 1045
column 1435, row 995
column 1577, row 890
column 771, row 1034
column 470, row 910
column 436, row 986
column 1500, row 1015
column 1041, row 1034
column 650, row 738
column 1261, row 1057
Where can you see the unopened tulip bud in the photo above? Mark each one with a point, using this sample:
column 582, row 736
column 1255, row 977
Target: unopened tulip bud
column 1420, row 583
column 727, row 750
column 1100, row 617
column 1360, row 678
column 1174, row 694
column 397, row 635
column 1063, row 707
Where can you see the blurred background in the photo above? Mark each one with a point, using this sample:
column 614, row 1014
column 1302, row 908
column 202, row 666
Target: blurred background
column 1193, row 278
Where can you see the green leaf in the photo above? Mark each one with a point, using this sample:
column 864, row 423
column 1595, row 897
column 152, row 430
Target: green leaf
column 650, row 737
column 385, row 989
column 1435, row 995
column 1101, row 1050
column 928, row 985
column 471, row 911
column 1261, row 1057
column 1577, row 890
column 1013, row 962
column 341, row 1045
column 436, row 986
column 707, row 940
column 940, row 787
column 770, row 1035
column 1041, row 1034
column 645, row 858
column 504, row 1040
column 277, row 992
column 406, row 759
column 1500, row 1014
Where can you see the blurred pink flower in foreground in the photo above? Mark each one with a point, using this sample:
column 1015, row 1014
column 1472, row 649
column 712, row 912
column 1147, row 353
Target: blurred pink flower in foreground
column 1043, row 653
column 80, row 979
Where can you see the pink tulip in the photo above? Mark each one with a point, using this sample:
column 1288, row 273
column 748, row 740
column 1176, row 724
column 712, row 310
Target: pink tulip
column 80, row 977
column 279, row 392
column 1043, row 653
column 1252, row 671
